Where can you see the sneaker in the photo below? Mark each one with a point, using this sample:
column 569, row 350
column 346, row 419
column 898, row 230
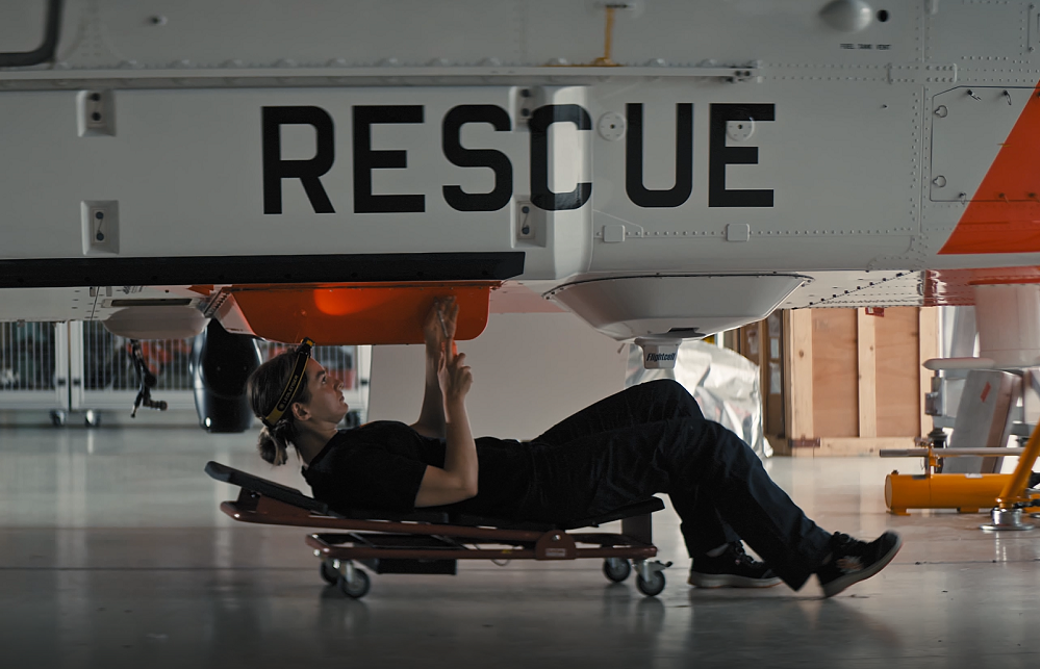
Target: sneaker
column 853, row 561
column 733, row 569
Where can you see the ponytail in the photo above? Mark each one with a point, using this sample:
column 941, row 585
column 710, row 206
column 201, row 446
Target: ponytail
column 273, row 444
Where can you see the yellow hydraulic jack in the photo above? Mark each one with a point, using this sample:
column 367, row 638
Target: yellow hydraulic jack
column 1006, row 494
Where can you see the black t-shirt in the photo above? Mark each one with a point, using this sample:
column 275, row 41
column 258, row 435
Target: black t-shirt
column 380, row 466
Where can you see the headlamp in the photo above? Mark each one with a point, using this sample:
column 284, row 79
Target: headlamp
column 292, row 386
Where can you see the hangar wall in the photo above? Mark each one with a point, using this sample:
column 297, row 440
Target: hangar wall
column 512, row 363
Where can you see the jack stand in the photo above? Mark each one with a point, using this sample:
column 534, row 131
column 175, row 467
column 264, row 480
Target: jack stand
column 1010, row 493
column 1006, row 520
column 968, row 493
column 1007, row 515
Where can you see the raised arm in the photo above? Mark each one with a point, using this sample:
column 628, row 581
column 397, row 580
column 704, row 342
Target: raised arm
column 439, row 333
column 458, row 479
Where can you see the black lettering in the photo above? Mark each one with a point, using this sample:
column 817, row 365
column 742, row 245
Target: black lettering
column 366, row 160
column 680, row 192
column 496, row 160
column 307, row 171
column 541, row 196
column 722, row 155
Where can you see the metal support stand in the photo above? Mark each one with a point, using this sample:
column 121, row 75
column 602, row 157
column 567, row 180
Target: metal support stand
column 1007, row 515
column 1006, row 520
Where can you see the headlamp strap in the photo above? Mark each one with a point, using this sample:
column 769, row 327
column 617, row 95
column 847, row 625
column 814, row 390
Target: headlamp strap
column 292, row 387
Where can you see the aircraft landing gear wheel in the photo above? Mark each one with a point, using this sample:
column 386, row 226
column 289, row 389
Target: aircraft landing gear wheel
column 58, row 418
column 329, row 573
column 357, row 587
column 650, row 588
column 616, row 569
column 92, row 418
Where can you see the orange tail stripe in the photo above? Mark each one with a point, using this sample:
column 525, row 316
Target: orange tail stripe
column 1004, row 214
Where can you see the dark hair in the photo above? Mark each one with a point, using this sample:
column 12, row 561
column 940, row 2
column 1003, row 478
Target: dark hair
column 265, row 387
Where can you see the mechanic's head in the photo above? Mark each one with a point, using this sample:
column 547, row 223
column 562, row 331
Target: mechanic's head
column 267, row 387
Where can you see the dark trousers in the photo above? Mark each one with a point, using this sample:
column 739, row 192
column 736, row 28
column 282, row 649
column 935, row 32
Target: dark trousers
column 653, row 438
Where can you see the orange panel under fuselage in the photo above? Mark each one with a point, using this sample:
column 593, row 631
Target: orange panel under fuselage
column 367, row 313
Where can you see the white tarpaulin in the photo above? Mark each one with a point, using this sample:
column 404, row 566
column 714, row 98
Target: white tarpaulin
column 724, row 383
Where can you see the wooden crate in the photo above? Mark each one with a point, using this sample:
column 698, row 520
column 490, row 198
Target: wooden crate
column 854, row 381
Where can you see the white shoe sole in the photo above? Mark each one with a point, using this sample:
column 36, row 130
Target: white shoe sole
column 730, row 581
column 842, row 582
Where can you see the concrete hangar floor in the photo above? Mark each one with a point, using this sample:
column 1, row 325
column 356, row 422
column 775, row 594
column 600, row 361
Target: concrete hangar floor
column 113, row 553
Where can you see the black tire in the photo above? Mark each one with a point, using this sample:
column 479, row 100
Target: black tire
column 357, row 589
column 57, row 418
column 653, row 587
column 329, row 573
column 616, row 569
